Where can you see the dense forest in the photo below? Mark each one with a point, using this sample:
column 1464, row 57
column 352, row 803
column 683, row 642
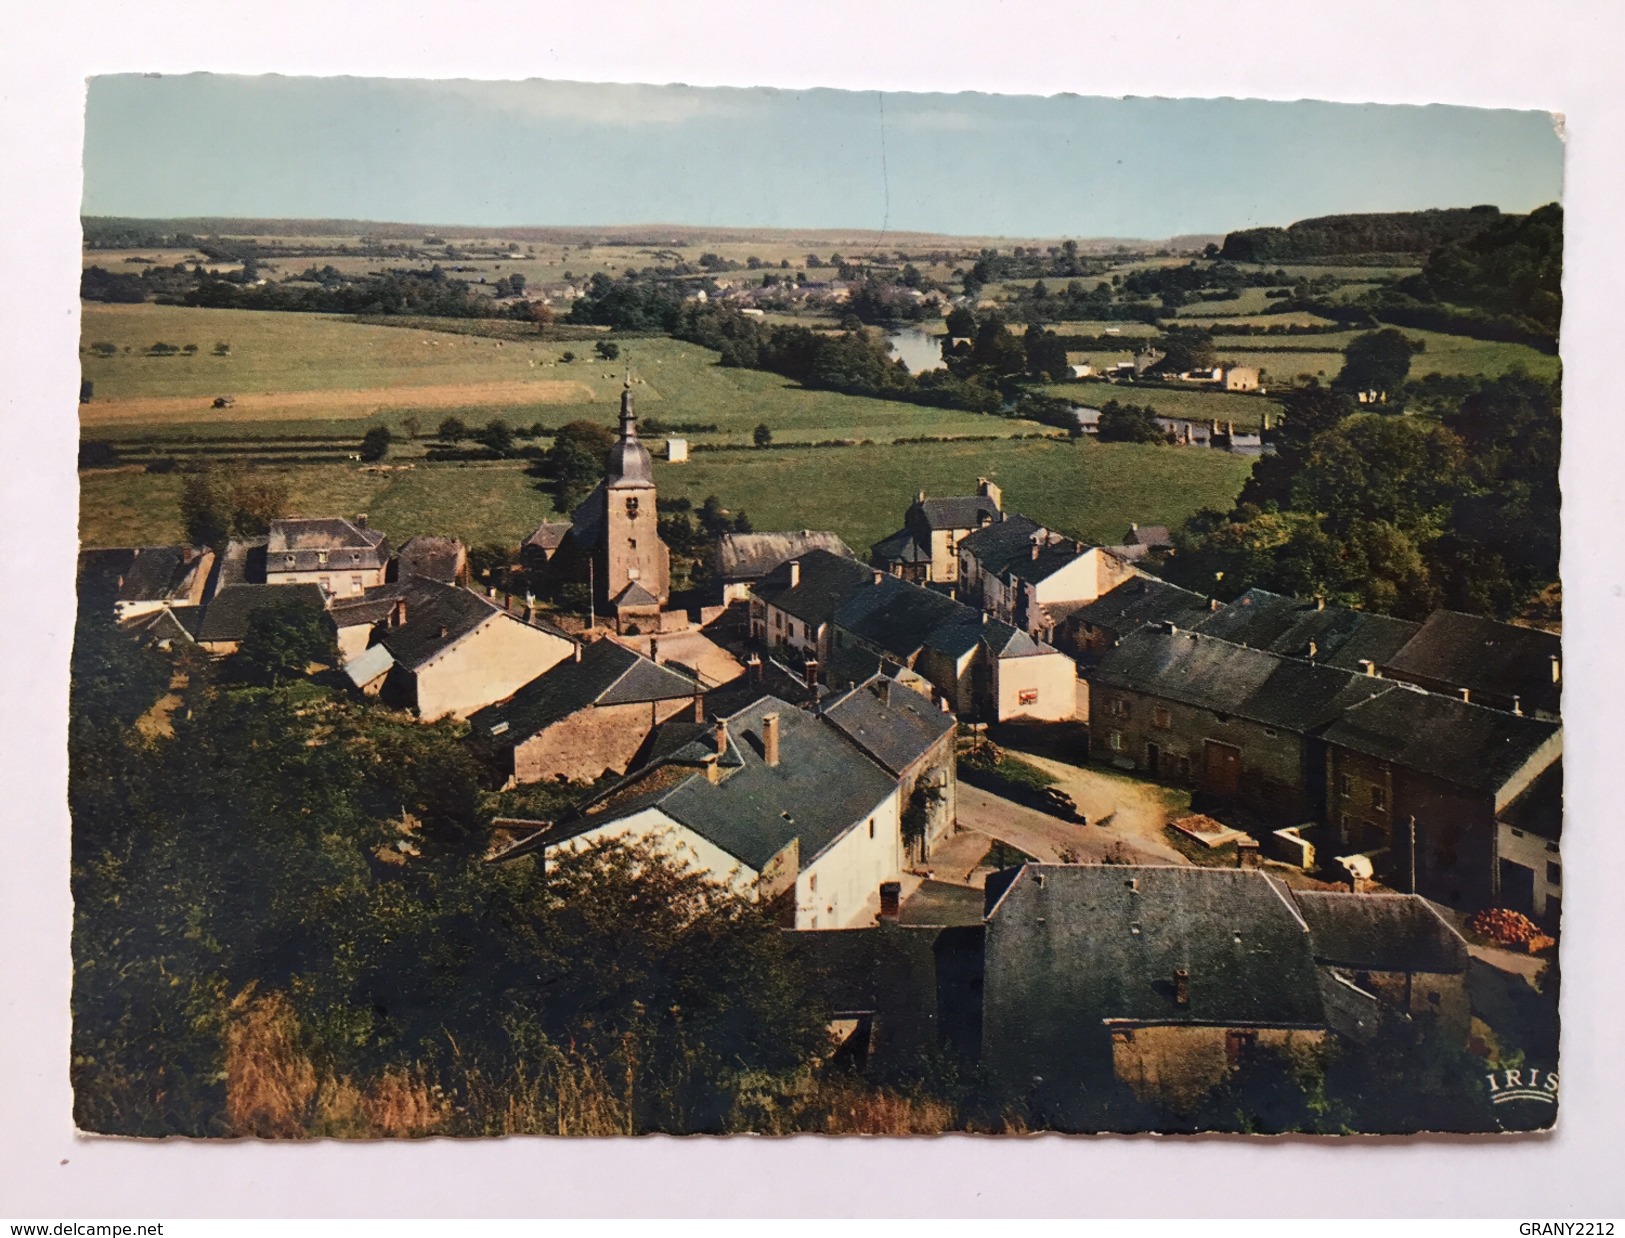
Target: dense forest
column 1335, row 236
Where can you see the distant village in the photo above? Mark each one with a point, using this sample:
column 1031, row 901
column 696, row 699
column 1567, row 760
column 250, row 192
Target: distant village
column 838, row 737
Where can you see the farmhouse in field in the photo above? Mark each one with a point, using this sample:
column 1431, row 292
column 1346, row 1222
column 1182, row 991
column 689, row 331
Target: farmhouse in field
column 587, row 716
column 925, row 549
column 772, row 799
column 344, row 557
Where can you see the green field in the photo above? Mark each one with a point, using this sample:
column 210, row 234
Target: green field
column 1173, row 400
column 322, row 371
column 1092, row 490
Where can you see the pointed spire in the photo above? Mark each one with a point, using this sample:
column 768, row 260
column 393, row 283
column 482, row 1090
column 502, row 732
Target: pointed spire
column 629, row 419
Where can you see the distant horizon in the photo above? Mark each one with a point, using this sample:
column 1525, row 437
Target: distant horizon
column 466, row 154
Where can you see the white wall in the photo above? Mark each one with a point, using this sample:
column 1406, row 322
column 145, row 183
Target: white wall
column 1532, row 852
column 1054, row 676
column 673, row 839
column 840, row 886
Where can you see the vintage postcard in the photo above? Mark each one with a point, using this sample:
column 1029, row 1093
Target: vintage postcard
column 617, row 609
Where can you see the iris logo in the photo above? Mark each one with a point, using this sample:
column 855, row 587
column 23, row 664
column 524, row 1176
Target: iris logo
column 1526, row 1084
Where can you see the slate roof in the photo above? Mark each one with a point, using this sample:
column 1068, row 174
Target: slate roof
column 607, row 674
column 957, row 511
column 1208, row 673
column 750, row 556
column 170, row 623
column 437, row 617
column 1148, row 535
column 158, row 573
column 242, row 563
column 827, row 581
column 820, row 788
column 893, row 724
column 308, row 544
column 548, row 535
column 1088, row 943
column 1001, row 543
column 901, row 547
column 374, row 605
column 776, row 680
column 1539, row 807
column 1469, row 745
column 902, row 618
column 432, row 557
column 226, row 615
column 1380, row 932
column 1496, row 659
column 635, row 595
column 1138, row 601
column 1284, row 625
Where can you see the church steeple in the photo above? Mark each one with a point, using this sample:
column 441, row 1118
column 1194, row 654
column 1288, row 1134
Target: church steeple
column 629, row 419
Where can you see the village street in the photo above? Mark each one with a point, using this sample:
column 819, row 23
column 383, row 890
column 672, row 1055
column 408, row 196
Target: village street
column 1120, row 808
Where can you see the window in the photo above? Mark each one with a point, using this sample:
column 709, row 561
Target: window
column 632, row 508
column 871, row 827
column 1554, row 874
column 1238, row 1046
column 1161, row 718
column 327, row 584
column 631, row 543
column 355, row 584
column 1115, row 741
column 1027, row 696
column 1119, row 707
column 1344, row 787
column 812, row 883
column 1379, row 798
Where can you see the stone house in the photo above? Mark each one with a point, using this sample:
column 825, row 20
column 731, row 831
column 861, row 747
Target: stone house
column 772, row 800
column 743, row 559
column 1529, row 863
column 1240, row 725
column 925, row 549
column 1501, row 665
column 1387, row 950
column 343, row 557
column 1351, row 640
column 793, row 605
column 1113, row 987
column 1023, row 574
column 1241, row 378
column 1088, row 630
column 147, row 579
column 914, row 742
column 220, row 625
column 453, row 652
column 1425, row 778
column 588, row 716
column 432, row 557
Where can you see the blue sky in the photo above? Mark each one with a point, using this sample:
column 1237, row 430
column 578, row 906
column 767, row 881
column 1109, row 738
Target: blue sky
column 560, row 153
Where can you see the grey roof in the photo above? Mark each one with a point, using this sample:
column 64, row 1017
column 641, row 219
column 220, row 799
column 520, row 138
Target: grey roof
column 226, row 616
column 308, row 544
column 900, row 547
column 1005, row 641
column 821, row 787
column 587, row 522
column 957, row 511
column 373, row 606
column 635, row 595
column 367, row 665
column 1380, row 932
column 1148, row 535
column 629, row 465
column 1496, row 659
column 1208, row 673
column 901, row 618
column 1088, row 943
column 607, row 673
column 548, row 534
column 241, row 563
column 1469, row 745
column 893, row 724
column 433, row 558
column 169, row 623
column 159, row 573
column 437, row 617
column 827, row 581
column 1539, row 807
column 1003, row 542
column 750, row 556
column 1138, row 601
column 1341, row 637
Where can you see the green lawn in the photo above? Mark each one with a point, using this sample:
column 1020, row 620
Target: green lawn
column 1089, row 489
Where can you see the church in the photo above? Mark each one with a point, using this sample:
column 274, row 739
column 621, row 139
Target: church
column 613, row 542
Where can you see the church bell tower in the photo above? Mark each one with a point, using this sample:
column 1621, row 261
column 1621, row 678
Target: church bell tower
column 637, row 564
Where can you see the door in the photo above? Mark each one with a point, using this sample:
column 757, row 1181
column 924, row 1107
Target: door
column 1153, row 760
column 1517, row 887
column 1221, row 768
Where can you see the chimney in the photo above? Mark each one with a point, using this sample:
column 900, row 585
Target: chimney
column 578, row 651
column 1170, row 627
column 1182, row 988
column 1320, row 602
column 1213, row 603
column 1038, row 545
column 722, row 737
column 809, row 672
column 756, row 669
column 398, row 619
column 1517, row 705
column 654, row 649
column 1313, row 650
column 878, row 576
column 1466, row 695
column 770, row 738
column 891, row 900
column 1368, row 667
column 699, row 709
column 361, row 520
column 795, row 573
column 1557, row 669
column 713, row 772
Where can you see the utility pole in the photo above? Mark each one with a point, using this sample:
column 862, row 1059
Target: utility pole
column 592, row 597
